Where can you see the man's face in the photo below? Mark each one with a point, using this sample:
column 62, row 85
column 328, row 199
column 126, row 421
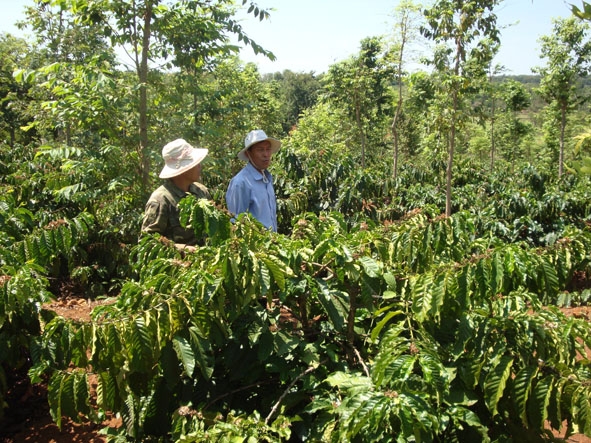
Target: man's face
column 195, row 173
column 260, row 154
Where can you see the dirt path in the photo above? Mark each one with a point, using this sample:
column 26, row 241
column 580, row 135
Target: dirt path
column 28, row 419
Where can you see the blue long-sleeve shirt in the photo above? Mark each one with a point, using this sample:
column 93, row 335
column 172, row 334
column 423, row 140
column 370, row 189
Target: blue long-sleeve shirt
column 250, row 192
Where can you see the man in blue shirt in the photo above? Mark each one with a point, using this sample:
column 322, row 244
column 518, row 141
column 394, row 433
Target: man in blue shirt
column 251, row 190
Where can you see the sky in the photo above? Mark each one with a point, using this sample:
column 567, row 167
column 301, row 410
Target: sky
column 311, row 35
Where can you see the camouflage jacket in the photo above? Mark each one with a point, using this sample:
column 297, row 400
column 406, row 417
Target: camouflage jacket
column 162, row 214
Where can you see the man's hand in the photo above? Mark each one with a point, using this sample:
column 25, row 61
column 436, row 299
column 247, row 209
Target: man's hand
column 184, row 248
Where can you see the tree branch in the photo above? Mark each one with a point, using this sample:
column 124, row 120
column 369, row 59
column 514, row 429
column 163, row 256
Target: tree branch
column 293, row 382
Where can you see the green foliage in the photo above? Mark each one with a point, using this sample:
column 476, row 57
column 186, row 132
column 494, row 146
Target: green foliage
column 388, row 329
column 26, row 266
column 362, row 310
column 297, row 91
column 468, row 39
column 13, row 53
column 560, row 82
column 359, row 86
column 370, row 316
column 583, row 13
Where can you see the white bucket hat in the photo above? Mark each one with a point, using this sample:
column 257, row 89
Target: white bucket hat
column 256, row 136
column 179, row 156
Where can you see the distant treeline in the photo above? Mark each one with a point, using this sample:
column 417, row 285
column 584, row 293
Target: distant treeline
column 531, row 80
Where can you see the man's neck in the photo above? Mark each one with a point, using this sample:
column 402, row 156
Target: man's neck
column 181, row 182
column 262, row 171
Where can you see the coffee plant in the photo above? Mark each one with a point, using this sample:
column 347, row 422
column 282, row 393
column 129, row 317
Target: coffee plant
column 369, row 317
column 422, row 329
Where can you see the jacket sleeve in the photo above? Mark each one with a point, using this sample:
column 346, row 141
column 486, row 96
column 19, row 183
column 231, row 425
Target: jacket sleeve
column 155, row 218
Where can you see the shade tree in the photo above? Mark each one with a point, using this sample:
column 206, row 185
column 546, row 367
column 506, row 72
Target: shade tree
column 583, row 165
column 181, row 34
column 468, row 38
column 13, row 53
column 512, row 130
column 298, row 91
column 59, row 73
column 405, row 32
column 567, row 52
column 234, row 100
column 361, row 86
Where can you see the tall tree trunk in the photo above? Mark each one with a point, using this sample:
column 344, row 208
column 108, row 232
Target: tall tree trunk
column 143, row 98
column 394, row 126
column 450, row 160
column 492, row 129
column 358, row 121
column 395, row 138
column 452, row 132
column 68, row 134
column 562, row 129
column 360, row 128
column 399, row 106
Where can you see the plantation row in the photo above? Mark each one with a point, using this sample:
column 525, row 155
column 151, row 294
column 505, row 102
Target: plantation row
column 369, row 317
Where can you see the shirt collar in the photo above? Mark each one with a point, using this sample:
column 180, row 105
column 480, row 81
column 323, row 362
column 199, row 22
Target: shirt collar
column 255, row 173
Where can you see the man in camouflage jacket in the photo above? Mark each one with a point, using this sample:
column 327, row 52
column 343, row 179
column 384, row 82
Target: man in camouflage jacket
column 182, row 172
